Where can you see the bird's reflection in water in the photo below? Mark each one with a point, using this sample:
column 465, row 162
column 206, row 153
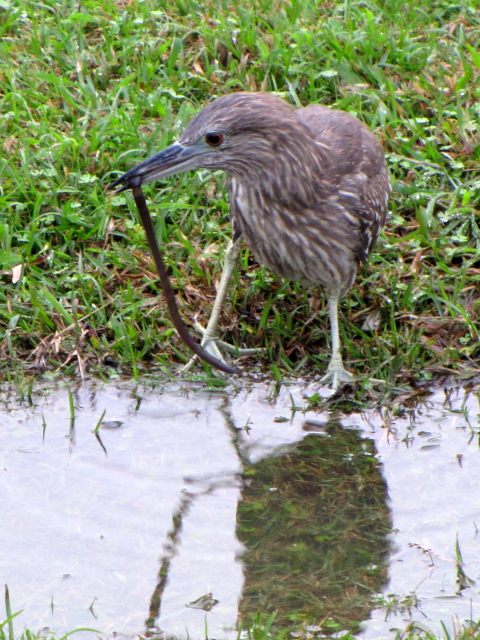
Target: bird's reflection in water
column 314, row 522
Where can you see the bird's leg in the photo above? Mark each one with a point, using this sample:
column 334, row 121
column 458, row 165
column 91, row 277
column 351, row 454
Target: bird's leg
column 231, row 255
column 209, row 334
column 336, row 372
column 209, row 341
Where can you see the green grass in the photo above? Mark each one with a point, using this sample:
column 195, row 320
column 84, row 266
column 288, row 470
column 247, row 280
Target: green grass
column 31, row 635
column 262, row 630
column 7, row 626
column 88, row 89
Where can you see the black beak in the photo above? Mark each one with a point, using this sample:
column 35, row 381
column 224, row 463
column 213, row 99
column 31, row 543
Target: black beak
column 174, row 159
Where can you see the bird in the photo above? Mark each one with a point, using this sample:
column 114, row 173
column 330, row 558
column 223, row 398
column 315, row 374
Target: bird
column 308, row 192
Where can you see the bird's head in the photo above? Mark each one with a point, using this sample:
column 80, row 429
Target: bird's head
column 236, row 133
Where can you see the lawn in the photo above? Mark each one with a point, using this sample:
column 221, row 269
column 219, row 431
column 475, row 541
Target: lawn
column 88, row 89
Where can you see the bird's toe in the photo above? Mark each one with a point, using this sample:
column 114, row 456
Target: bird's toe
column 336, row 376
column 211, row 346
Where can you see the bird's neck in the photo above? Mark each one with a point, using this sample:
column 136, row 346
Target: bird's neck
column 286, row 171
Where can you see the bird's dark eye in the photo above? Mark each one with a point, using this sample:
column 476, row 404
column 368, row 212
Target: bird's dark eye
column 214, row 139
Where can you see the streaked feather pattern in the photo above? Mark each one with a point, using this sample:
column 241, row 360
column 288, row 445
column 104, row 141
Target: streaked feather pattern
column 308, row 187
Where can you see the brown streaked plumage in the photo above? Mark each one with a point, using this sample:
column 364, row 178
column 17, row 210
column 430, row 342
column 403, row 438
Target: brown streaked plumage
column 308, row 191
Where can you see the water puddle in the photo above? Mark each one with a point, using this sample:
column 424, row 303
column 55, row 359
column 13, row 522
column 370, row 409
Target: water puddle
column 189, row 509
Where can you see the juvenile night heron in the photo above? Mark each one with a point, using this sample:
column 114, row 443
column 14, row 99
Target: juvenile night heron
column 308, row 193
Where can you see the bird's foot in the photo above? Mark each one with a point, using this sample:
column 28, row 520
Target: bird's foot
column 215, row 343
column 337, row 375
column 212, row 345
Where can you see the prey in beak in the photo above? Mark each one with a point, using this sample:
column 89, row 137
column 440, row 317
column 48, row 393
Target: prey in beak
column 174, row 159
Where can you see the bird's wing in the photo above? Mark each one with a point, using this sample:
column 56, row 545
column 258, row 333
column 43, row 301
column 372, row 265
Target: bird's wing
column 357, row 170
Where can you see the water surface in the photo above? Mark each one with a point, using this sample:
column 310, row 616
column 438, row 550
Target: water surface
column 196, row 506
